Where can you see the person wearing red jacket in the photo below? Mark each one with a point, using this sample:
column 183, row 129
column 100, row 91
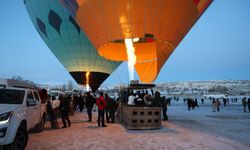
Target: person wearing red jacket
column 101, row 104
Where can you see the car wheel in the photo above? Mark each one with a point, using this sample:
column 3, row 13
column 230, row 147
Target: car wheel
column 20, row 141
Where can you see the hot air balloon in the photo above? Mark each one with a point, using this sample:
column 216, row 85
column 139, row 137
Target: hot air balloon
column 69, row 43
column 156, row 27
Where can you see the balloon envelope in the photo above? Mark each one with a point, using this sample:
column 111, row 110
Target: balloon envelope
column 68, row 42
column 160, row 26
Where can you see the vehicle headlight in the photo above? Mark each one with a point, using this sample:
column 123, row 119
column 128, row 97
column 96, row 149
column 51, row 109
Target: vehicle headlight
column 5, row 117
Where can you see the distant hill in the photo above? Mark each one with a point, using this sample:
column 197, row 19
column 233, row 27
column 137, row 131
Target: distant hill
column 230, row 87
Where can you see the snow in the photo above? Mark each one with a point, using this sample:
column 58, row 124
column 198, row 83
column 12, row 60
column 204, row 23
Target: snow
column 202, row 129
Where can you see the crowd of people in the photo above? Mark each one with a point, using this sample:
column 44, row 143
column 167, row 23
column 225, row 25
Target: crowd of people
column 191, row 103
column 143, row 98
column 216, row 103
column 107, row 106
column 70, row 103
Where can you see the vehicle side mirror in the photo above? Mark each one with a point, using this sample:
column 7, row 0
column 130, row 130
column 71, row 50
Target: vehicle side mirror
column 31, row 102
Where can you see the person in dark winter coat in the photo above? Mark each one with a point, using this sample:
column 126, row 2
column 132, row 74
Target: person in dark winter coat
column 111, row 105
column 90, row 101
column 156, row 102
column 43, row 95
column 189, row 103
column 107, row 109
column 202, row 101
column 218, row 105
column 214, row 105
column 101, row 104
column 164, row 106
column 224, row 102
column 248, row 104
column 112, row 110
column 75, row 102
column 81, row 102
column 244, row 104
column 140, row 102
column 196, row 103
column 64, row 108
column 192, row 103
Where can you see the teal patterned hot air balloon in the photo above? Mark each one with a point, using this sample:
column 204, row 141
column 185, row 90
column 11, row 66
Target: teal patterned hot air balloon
column 69, row 43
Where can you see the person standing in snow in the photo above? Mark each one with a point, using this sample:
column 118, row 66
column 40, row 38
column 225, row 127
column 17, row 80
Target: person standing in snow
column 164, row 106
column 101, row 104
column 52, row 116
column 75, row 102
column 156, row 102
column 218, row 105
column 64, row 108
column 196, row 103
column 111, row 104
column 214, row 105
column 224, row 102
column 248, row 104
column 189, row 103
column 90, row 101
column 202, row 101
column 244, row 103
column 81, row 102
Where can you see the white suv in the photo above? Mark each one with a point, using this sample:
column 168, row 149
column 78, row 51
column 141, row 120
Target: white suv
column 20, row 111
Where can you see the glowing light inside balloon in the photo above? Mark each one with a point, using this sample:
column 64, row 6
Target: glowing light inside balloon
column 87, row 81
column 131, row 57
column 136, row 40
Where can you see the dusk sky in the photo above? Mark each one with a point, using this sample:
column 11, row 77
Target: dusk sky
column 216, row 48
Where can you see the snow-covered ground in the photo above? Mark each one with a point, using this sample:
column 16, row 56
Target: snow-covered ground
column 199, row 129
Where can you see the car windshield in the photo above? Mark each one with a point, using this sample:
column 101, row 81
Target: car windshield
column 11, row 96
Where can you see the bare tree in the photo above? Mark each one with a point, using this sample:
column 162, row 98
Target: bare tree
column 70, row 85
column 19, row 78
column 64, row 87
column 219, row 88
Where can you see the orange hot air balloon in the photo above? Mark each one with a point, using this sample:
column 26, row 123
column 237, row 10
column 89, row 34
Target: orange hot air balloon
column 156, row 27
